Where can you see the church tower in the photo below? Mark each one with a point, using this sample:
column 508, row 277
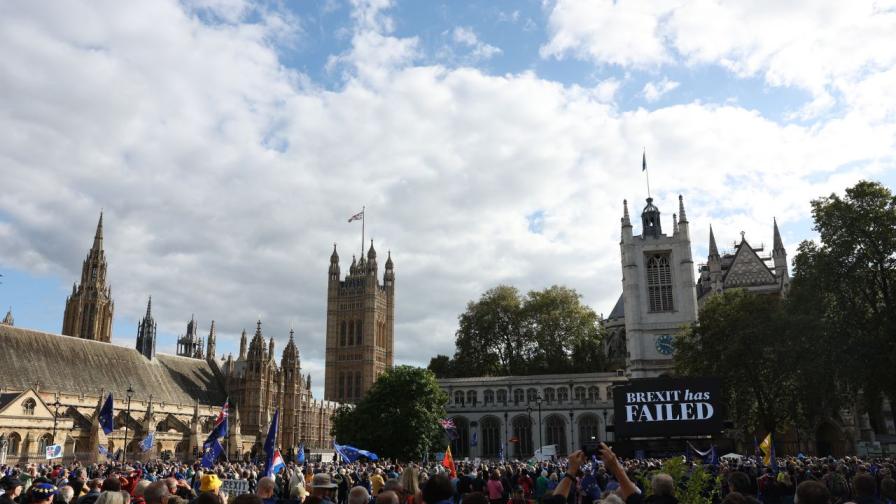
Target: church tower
column 212, row 343
column 146, row 333
column 291, row 390
column 190, row 344
column 88, row 310
column 360, row 321
column 657, row 287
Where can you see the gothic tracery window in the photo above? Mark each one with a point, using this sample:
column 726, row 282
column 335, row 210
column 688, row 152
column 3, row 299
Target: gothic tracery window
column 28, row 406
column 659, row 283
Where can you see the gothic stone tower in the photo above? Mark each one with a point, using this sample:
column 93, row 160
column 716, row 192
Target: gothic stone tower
column 88, row 311
column 146, row 333
column 360, row 320
column 657, row 287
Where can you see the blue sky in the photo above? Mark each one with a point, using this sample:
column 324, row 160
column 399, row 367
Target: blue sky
column 492, row 142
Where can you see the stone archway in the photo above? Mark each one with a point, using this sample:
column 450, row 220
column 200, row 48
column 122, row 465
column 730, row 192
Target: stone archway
column 490, row 431
column 460, row 446
column 829, row 440
column 522, row 436
column 555, row 433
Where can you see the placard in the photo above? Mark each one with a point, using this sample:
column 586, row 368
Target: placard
column 662, row 407
column 54, row 451
column 234, row 487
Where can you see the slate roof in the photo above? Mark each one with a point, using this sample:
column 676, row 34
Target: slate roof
column 75, row 365
column 619, row 309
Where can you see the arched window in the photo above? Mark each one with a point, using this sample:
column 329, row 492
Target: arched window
column 562, row 394
column 502, row 396
column 531, row 394
column 359, row 339
column 593, row 393
column 549, row 394
column 488, row 397
column 555, row 433
column 43, row 442
column 471, row 397
column 351, row 332
column 491, row 436
column 458, row 397
column 342, row 334
column 15, row 442
column 28, row 407
column 522, row 436
column 659, row 283
column 518, row 396
column 460, row 446
column 579, row 393
column 588, row 428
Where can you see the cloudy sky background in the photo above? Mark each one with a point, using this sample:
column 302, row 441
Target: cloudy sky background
column 491, row 142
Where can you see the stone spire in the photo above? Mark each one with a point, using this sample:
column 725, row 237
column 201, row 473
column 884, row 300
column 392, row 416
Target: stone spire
column 681, row 215
column 371, row 260
column 271, row 349
column 778, row 243
column 779, row 257
column 146, row 333
column 89, row 309
column 290, row 353
column 713, row 249
column 256, row 347
column 190, row 344
column 8, row 320
column 211, row 349
column 243, row 346
column 334, row 264
column 389, row 274
column 626, row 220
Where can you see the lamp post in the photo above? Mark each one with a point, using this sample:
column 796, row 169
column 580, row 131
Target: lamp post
column 538, row 400
column 130, row 393
column 605, row 426
column 529, row 414
column 506, row 435
column 572, row 434
column 56, row 405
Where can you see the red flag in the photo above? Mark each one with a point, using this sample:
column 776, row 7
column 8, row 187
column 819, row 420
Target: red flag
column 448, row 463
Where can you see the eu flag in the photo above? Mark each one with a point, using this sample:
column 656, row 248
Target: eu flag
column 106, row 415
column 300, row 454
column 211, row 454
column 352, row 454
column 270, row 445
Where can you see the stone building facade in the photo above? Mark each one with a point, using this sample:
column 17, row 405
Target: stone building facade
column 360, row 322
column 517, row 414
column 52, row 385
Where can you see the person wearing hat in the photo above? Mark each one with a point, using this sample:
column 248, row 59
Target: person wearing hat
column 12, row 488
column 210, row 482
column 322, row 486
column 43, row 493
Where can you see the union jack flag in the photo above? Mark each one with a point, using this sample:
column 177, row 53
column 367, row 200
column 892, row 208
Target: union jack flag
column 357, row 216
column 447, row 423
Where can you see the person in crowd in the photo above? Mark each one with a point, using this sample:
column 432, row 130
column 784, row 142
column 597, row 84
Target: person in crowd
column 66, row 494
column 541, row 485
column 156, row 492
column 265, row 490
column 94, row 487
column 43, row 493
column 438, row 490
column 495, row 488
column 663, row 490
column 248, row 498
column 812, row 492
column 111, row 496
column 388, row 497
column 376, row 482
column 410, row 483
column 323, row 488
column 864, row 488
column 12, row 489
column 358, row 495
column 137, row 494
column 739, row 481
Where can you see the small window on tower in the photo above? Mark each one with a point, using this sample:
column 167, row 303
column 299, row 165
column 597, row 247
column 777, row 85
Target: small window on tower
column 342, row 334
column 659, row 283
column 359, row 339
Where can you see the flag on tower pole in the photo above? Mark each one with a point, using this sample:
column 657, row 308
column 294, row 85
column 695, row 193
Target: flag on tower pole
column 360, row 216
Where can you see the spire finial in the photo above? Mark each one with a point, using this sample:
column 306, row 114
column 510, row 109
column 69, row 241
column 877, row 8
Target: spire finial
column 778, row 243
column 681, row 215
column 98, row 237
column 626, row 220
column 713, row 249
column 149, row 307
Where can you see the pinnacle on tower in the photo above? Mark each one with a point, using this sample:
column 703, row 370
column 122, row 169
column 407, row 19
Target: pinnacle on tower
column 8, row 320
column 681, row 215
column 389, row 264
column 778, row 243
column 149, row 307
column 243, row 345
column 98, row 237
column 713, row 249
column 371, row 252
column 626, row 221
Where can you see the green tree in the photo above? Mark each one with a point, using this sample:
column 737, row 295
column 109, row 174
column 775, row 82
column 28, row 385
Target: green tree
column 744, row 339
column 397, row 418
column 441, row 366
column 504, row 333
column 848, row 281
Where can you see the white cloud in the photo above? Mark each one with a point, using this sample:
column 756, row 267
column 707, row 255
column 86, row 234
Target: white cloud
column 822, row 47
column 654, row 91
column 225, row 176
column 479, row 50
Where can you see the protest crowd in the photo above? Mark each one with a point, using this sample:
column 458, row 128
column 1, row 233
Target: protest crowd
column 572, row 480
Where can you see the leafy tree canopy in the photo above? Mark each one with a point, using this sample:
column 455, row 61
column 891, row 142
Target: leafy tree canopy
column 397, row 418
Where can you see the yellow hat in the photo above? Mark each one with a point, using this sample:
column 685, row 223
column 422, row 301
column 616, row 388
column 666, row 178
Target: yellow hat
column 209, row 482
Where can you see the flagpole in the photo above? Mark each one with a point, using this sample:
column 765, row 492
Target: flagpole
column 363, row 222
column 646, row 173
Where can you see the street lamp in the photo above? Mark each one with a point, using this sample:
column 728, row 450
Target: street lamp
column 538, row 400
column 56, row 405
column 572, row 434
column 506, row 435
column 130, row 393
column 605, row 426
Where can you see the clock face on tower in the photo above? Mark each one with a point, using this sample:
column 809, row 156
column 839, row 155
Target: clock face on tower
column 664, row 344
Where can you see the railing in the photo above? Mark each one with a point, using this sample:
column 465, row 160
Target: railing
column 545, row 405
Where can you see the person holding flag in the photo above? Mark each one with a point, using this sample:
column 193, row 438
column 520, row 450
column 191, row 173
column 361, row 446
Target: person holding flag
column 448, row 463
column 106, row 416
column 211, row 448
column 768, row 449
column 274, row 460
column 300, row 454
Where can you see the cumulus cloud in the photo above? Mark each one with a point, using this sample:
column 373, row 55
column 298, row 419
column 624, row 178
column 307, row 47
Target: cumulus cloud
column 479, row 50
column 654, row 91
column 226, row 176
column 825, row 47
